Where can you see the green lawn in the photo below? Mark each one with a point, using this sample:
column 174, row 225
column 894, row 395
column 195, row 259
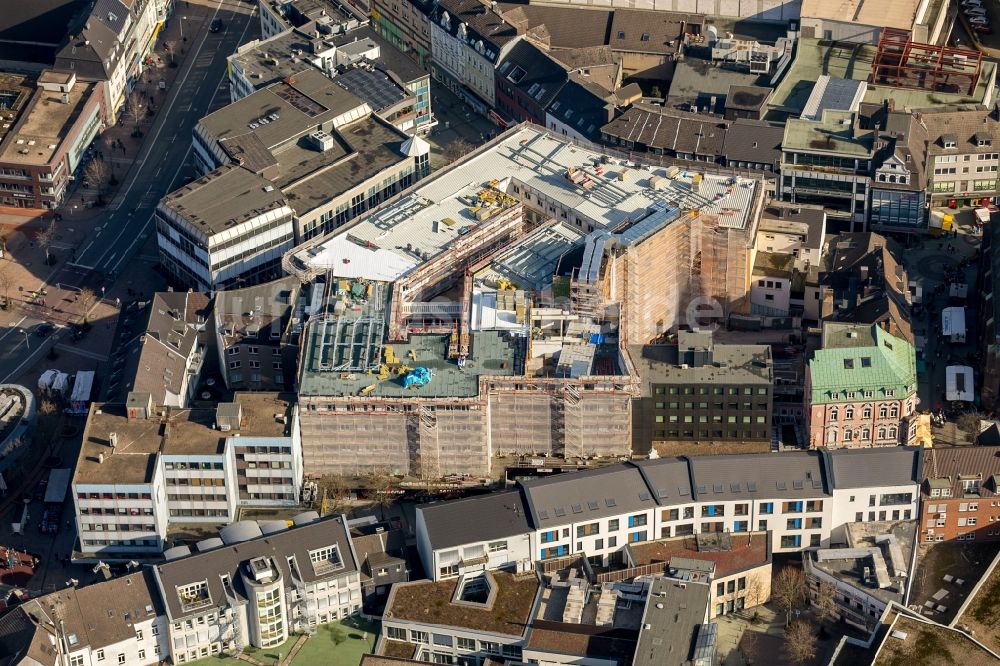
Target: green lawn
column 338, row 644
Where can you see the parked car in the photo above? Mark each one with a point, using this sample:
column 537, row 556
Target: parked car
column 217, row 25
column 44, row 329
column 983, row 29
column 979, row 20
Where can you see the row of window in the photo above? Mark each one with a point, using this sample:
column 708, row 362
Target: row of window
column 117, row 527
column 703, row 390
column 714, row 434
column 863, row 434
column 107, row 496
column 884, row 411
column 120, row 511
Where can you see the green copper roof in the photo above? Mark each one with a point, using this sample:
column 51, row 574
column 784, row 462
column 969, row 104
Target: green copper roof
column 861, row 358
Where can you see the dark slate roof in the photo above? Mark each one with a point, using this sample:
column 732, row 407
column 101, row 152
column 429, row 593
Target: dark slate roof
column 581, row 107
column 111, row 13
column 646, row 31
column 591, row 494
column 533, row 72
column 861, row 468
column 481, row 24
column 568, row 27
column 669, row 130
column 753, row 141
column 473, row 519
column 794, row 475
column 210, row 565
column 668, row 479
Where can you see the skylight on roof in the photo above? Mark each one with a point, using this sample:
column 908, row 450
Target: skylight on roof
column 661, row 493
column 644, row 496
column 516, row 74
column 543, row 514
column 560, row 512
column 592, row 505
column 610, row 501
column 577, row 508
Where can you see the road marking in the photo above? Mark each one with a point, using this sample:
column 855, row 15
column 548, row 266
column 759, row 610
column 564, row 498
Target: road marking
column 81, row 352
column 141, row 235
column 151, row 141
column 156, row 173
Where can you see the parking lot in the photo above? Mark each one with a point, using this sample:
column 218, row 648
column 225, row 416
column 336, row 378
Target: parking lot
column 987, row 33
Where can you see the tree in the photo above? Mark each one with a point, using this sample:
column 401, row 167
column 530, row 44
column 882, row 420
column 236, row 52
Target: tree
column 6, row 284
column 788, row 589
column 756, row 593
column 969, row 423
column 110, row 142
column 748, row 646
column 800, row 642
column 824, row 601
column 133, row 109
column 87, row 300
column 382, row 483
column 457, row 149
column 45, row 238
column 96, row 174
column 171, row 48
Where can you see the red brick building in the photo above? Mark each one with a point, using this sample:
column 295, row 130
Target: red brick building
column 959, row 498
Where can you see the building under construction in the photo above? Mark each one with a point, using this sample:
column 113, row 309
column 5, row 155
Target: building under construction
column 482, row 318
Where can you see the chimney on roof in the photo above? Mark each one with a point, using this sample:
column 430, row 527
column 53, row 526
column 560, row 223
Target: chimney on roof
column 113, row 440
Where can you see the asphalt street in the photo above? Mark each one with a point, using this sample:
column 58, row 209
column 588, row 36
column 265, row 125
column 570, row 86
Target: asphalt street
column 129, row 221
column 165, row 149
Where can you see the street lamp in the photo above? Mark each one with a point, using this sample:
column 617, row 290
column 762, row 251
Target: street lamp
column 27, row 341
column 183, row 18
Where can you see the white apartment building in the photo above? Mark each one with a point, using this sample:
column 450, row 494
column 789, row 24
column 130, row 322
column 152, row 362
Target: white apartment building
column 468, row 39
column 115, row 39
column 143, row 467
column 256, row 584
column 119, row 621
column 803, row 499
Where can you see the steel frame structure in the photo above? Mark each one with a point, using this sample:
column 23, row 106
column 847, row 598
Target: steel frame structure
column 901, row 62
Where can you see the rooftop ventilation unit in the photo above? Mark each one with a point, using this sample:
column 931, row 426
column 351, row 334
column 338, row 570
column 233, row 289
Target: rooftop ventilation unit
column 320, row 140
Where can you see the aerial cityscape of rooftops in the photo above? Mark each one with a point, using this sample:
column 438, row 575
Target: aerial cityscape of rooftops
column 387, row 332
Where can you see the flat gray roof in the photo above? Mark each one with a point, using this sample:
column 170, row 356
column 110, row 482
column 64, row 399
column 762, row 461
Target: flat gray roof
column 675, row 612
column 370, row 147
column 728, row 364
column 285, row 111
column 224, row 198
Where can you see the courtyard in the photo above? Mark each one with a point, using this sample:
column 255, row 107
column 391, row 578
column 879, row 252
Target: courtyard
column 337, row 644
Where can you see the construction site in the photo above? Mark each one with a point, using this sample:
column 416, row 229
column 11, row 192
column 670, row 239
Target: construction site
column 481, row 320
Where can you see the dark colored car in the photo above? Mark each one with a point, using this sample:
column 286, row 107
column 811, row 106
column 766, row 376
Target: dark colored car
column 217, row 25
column 44, row 329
